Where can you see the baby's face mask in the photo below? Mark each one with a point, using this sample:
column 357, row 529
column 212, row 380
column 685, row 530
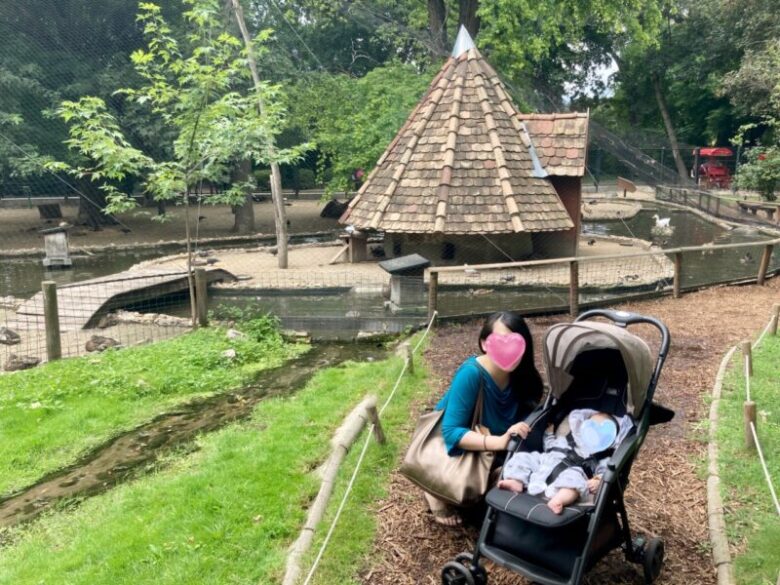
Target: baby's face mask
column 506, row 351
column 598, row 435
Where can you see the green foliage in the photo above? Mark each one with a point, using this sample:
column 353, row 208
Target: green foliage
column 51, row 415
column 263, row 179
column 353, row 120
column 521, row 34
column 752, row 523
column 761, row 172
column 228, row 512
column 306, row 179
column 199, row 90
column 253, row 320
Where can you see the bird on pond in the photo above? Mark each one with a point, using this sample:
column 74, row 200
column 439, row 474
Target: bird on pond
column 661, row 222
column 748, row 257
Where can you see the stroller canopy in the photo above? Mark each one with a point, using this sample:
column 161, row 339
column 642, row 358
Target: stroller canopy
column 564, row 342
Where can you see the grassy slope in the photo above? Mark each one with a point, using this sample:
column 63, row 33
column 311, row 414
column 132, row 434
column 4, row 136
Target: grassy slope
column 52, row 414
column 227, row 513
column 751, row 519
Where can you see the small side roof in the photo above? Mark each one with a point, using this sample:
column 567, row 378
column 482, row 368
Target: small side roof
column 561, row 141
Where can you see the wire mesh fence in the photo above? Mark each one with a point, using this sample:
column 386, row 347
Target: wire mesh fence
column 334, row 285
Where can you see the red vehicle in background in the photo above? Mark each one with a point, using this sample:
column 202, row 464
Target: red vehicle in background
column 713, row 172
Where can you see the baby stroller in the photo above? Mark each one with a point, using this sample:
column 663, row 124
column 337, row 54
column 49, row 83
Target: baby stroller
column 589, row 364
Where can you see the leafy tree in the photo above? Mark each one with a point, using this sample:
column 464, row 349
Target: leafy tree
column 755, row 89
column 197, row 88
column 353, row 120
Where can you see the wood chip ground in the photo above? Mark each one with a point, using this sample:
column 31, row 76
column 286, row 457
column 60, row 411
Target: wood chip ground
column 667, row 492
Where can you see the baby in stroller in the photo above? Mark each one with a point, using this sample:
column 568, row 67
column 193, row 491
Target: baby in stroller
column 572, row 462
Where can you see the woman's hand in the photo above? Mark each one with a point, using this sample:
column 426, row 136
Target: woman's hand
column 522, row 429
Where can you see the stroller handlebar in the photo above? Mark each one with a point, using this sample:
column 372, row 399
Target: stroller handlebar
column 625, row 318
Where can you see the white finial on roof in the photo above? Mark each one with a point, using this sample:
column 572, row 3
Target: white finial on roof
column 463, row 42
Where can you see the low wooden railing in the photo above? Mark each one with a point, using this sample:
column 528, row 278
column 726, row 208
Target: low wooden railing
column 575, row 263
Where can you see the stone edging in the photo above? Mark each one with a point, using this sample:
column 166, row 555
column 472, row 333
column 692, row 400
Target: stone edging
column 721, row 555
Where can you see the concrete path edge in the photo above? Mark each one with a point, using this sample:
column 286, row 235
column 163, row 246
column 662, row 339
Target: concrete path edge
column 721, row 555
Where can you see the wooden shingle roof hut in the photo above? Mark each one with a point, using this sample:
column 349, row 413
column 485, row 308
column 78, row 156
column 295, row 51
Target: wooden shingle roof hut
column 467, row 164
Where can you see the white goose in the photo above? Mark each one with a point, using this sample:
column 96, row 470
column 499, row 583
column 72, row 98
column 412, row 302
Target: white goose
column 661, row 222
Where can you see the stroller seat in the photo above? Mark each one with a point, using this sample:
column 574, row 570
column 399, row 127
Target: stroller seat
column 534, row 508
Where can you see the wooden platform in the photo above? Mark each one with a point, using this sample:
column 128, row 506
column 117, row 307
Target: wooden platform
column 82, row 304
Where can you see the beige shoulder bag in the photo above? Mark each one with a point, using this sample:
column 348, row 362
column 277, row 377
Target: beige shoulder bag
column 461, row 480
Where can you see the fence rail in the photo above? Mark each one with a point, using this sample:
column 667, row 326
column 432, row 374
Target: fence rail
column 549, row 285
column 754, row 213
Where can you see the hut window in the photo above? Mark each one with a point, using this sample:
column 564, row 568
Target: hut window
column 396, row 247
column 448, row 251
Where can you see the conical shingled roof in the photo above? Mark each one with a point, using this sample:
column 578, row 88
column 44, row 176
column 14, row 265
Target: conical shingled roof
column 463, row 163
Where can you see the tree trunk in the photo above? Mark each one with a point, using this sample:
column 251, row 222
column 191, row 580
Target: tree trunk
column 467, row 16
column 92, row 202
column 245, row 213
column 659, row 96
column 437, row 24
column 280, row 218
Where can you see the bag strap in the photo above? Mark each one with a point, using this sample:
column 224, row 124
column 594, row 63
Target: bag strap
column 476, row 418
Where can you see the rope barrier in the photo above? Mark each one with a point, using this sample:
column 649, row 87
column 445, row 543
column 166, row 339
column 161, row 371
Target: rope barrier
column 753, row 427
column 764, row 467
column 359, row 462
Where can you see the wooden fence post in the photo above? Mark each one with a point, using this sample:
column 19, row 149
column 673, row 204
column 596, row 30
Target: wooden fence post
column 775, row 318
column 574, row 288
column 717, row 207
column 52, row 320
column 201, row 296
column 677, row 274
column 749, row 412
column 764, row 265
column 747, row 353
column 373, row 416
column 433, row 293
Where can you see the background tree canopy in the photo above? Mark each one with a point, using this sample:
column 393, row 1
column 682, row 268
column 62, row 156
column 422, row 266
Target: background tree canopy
column 351, row 70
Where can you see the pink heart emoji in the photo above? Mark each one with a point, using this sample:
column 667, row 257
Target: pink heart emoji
column 506, row 351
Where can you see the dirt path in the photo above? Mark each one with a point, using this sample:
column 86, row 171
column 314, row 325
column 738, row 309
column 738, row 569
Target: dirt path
column 410, row 549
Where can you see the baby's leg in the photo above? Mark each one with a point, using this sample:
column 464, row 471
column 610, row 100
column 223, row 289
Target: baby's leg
column 571, row 479
column 513, row 485
column 518, row 469
column 563, row 497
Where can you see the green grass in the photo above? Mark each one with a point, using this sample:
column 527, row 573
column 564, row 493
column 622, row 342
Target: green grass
column 751, row 520
column 52, row 414
column 228, row 512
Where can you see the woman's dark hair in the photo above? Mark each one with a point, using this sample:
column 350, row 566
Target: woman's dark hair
column 525, row 380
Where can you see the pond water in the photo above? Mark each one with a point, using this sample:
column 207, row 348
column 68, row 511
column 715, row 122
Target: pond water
column 22, row 277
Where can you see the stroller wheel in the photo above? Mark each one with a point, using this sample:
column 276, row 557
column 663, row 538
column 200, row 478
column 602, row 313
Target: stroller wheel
column 653, row 559
column 455, row 573
column 477, row 571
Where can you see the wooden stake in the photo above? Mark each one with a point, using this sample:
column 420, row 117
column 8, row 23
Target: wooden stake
column 677, row 274
column 51, row 319
column 764, row 265
column 747, row 352
column 574, row 288
column 775, row 318
column 749, row 411
column 373, row 416
column 433, row 293
column 409, row 356
column 201, row 296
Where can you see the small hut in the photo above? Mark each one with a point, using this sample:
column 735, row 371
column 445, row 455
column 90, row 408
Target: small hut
column 468, row 178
